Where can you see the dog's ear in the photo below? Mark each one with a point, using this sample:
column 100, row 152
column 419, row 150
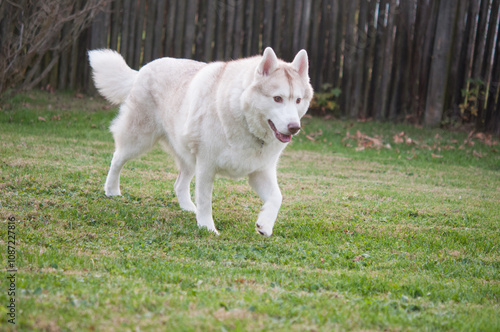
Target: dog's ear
column 301, row 63
column 269, row 62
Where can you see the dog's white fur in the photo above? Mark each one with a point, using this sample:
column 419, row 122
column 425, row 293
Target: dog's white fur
column 215, row 118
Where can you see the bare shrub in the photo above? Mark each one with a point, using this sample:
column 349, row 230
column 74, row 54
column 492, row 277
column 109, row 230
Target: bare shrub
column 29, row 29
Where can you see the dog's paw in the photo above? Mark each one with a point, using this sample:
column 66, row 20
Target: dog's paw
column 210, row 229
column 111, row 193
column 263, row 229
column 188, row 206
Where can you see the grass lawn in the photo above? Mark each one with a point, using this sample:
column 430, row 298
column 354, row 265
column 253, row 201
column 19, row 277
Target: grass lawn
column 382, row 227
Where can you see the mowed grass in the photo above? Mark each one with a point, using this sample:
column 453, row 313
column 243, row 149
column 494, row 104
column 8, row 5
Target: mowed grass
column 386, row 235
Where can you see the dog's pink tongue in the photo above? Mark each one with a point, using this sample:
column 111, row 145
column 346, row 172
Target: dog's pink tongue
column 284, row 138
column 281, row 137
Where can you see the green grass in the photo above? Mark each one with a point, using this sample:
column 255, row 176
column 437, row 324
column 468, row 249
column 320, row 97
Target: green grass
column 393, row 238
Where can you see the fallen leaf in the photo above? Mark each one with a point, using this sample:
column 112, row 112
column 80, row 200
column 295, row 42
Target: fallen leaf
column 480, row 136
column 41, row 119
column 310, row 138
column 436, row 155
column 399, row 138
column 477, row 154
column 358, row 258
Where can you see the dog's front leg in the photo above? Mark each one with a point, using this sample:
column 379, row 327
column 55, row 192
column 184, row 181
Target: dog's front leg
column 265, row 183
column 203, row 194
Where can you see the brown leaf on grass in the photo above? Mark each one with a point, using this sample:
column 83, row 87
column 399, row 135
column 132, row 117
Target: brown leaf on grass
column 367, row 141
column 312, row 136
column 358, row 258
column 480, row 136
column 41, row 119
column 363, row 119
column 486, row 139
column 436, row 155
column 477, row 154
column 398, row 138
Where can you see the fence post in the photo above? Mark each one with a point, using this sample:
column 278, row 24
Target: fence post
column 436, row 92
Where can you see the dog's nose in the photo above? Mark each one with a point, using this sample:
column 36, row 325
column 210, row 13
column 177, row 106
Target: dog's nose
column 293, row 128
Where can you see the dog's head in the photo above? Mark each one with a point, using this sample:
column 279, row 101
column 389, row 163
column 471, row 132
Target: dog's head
column 280, row 94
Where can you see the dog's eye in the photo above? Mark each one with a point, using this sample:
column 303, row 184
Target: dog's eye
column 278, row 99
column 298, row 100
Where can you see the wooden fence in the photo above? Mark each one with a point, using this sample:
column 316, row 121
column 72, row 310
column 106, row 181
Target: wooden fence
column 425, row 61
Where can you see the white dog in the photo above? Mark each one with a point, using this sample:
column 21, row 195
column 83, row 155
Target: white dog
column 230, row 118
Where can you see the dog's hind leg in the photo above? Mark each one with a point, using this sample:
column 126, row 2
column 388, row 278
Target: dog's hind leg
column 181, row 186
column 129, row 144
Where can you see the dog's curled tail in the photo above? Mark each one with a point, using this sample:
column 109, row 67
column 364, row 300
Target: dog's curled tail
column 112, row 76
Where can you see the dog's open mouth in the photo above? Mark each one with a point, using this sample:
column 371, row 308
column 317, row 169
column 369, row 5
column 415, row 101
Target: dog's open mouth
column 281, row 137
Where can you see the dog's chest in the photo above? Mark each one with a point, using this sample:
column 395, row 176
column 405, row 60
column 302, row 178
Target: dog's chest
column 239, row 162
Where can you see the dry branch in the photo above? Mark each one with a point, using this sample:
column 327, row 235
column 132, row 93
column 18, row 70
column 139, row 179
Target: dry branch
column 32, row 28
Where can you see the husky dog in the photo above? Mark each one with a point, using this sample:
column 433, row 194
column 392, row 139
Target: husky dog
column 229, row 118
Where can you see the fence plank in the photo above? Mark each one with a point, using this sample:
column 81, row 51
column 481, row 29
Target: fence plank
column 348, row 58
column 116, row 13
column 492, row 112
column 238, row 30
column 190, row 29
column 139, row 31
column 440, row 63
column 268, row 23
column 125, row 34
column 180, row 19
column 228, row 43
column 356, row 104
column 480, row 38
column 149, row 31
column 170, row 28
column 211, row 13
column 278, row 23
column 159, row 30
